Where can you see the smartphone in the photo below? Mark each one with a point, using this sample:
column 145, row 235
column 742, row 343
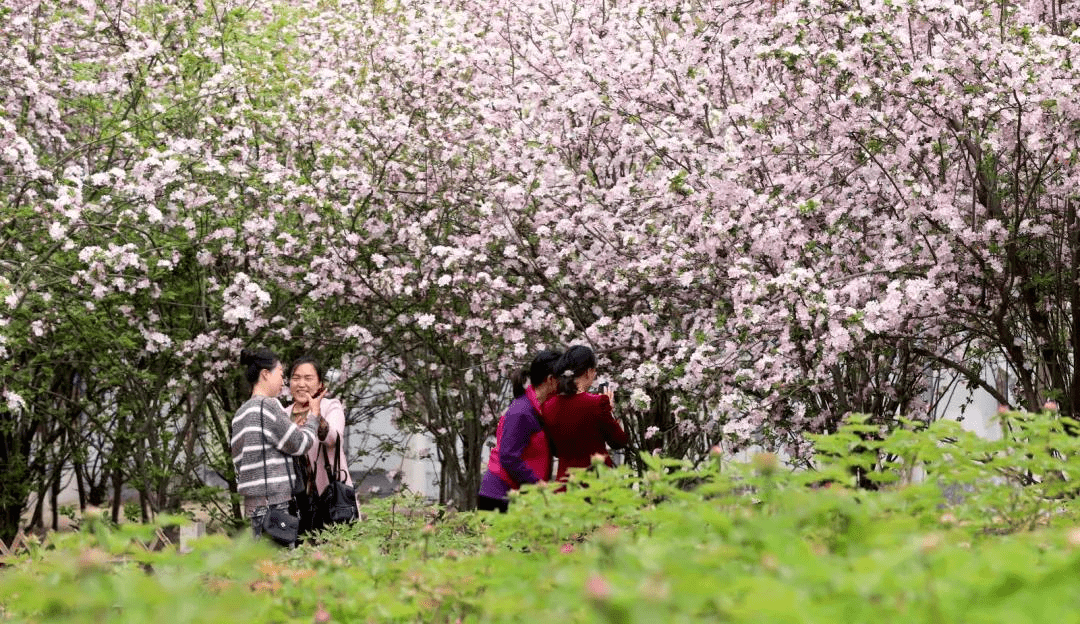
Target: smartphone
column 603, row 387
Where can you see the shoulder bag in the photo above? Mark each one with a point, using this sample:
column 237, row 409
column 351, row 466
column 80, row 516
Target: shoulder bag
column 282, row 526
column 337, row 503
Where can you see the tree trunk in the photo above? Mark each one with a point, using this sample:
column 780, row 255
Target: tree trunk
column 37, row 519
column 54, row 497
column 77, row 466
column 118, row 485
column 16, row 482
column 144, row 507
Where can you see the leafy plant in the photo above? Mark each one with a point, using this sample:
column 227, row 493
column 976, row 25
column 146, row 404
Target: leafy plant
column 738, row 542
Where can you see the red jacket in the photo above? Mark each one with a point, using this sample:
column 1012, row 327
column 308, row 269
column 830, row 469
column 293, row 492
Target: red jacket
column 581, row 426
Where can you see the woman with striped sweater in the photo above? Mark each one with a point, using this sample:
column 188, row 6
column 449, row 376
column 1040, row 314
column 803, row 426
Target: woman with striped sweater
column 263, row 438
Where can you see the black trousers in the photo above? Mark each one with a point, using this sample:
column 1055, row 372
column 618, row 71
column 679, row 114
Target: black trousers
column 484, row 503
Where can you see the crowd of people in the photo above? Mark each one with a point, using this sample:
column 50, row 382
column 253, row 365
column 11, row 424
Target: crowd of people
column 291, row 466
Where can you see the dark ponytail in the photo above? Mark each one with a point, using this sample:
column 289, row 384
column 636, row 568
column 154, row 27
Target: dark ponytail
column 536, row 373
column 517, row 379
column 577, row 361
column 256, row 361
column 567, row 384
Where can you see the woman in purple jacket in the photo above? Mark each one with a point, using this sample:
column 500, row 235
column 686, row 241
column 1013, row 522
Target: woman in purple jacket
column 521, row 454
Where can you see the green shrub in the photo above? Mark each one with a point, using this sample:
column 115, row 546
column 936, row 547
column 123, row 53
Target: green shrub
column 726, row 542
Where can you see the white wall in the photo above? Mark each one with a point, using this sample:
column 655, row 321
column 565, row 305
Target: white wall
column 413, row 470
column 975, row 410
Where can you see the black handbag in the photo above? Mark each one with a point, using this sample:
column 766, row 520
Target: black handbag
column 337, row 503
column 282, row 526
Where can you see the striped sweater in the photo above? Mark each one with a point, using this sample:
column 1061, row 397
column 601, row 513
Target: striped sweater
column 269, row 443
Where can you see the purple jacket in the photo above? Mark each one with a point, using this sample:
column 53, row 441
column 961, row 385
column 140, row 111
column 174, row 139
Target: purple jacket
column 520, row 449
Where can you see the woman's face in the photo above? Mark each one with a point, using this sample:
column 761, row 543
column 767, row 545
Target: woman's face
column 274, row 379
column 304, row 382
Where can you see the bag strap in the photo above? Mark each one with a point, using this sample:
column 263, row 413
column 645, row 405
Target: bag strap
column 332, row 476
column 262, row 436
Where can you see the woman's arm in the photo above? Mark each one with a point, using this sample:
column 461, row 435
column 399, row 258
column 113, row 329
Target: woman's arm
column 612, row 431
column 333, row 412
column 283, row 434
column 518, row 429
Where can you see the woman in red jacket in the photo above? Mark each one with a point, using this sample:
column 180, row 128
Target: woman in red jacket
column 578, row 423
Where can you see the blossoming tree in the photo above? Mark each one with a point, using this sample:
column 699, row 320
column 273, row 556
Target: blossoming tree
column 762, row 216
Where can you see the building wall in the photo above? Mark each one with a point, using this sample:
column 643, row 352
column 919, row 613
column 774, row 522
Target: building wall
column 975, row 410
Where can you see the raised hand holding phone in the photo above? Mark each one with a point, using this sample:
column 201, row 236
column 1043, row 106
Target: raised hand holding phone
column 605, row 389
column 316, row 403
column 316, row 400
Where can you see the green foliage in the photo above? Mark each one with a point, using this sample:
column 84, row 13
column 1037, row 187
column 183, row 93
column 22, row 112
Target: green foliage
column 722, row 542
column 1016, row 482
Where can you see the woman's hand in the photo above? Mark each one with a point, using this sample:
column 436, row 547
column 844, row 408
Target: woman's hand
column 312, row 411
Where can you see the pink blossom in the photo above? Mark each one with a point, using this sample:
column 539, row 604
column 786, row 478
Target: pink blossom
column 597, row 588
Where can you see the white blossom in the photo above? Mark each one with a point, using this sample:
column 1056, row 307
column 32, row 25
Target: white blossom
column 15, row 403
column 640, row 400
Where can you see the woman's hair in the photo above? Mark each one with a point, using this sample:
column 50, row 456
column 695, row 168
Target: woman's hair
column 577, row 361
column 307, row 359
column 542, row 367
column 256, row 361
